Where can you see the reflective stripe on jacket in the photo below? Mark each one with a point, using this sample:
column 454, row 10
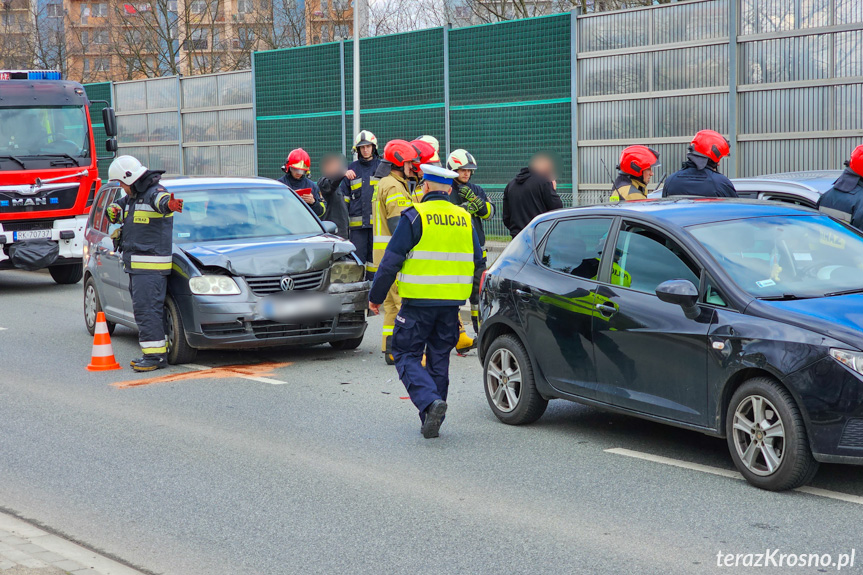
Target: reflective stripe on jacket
column 391, row 197
column 441, row 265
column 148, row 227
column 359, row 192
column 628, row 188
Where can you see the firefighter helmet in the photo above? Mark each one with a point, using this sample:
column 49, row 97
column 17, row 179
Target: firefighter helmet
column 856, row 161
column 434, row 144
column 710, row 144
column 461, row 160
column 298, row 159
column 365, row 138
column 126, row 169
column 399, row 152
column 635, row 159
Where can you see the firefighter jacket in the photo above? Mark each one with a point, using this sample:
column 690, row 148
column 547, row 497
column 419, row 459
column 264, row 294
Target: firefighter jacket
column 392, row 196
column 626, row 188
column 485, row 211
column 148, row 227
column 360, row 191
column 319, row 206
column 698, row 177
column 844, row 201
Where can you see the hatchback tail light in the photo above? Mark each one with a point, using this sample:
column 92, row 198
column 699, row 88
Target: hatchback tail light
column 482, row 279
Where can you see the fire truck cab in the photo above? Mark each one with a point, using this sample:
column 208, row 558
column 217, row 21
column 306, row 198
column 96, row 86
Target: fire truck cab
column 48, row 174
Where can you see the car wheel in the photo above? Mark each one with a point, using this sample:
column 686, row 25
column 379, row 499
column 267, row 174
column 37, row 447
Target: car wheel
column 67, row 274
column 179, row 350
column 767, row 437
column 509, row 384
column 347, row 344
column 92, row 307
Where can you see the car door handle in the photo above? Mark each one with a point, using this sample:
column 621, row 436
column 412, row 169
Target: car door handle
column 523, row 294
column 607, row 309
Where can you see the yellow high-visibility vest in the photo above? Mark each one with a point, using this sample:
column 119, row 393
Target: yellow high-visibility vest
column 441, row 265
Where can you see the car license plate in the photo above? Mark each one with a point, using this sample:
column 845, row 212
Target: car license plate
column 31, row 235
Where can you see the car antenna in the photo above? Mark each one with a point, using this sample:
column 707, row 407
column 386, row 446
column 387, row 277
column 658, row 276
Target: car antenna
column 613, row 186
column 659, row 185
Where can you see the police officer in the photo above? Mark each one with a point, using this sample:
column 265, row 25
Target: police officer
column 296, row 177
column 433, row 251
column 360, row 181
column 700, row 173
column 472, row 198
column 392, row 196
column 146, row 238
column 844, row 201
column 636, row 168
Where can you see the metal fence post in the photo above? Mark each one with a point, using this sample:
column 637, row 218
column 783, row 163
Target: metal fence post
column 180, row 126
column 573, row 96
column 446, row 89
column 255, row 116
column 732, row 86
column 344, row 96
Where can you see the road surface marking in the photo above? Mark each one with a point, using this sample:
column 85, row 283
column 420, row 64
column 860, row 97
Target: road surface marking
column 254, row 372
column 3, row 328
column 848, row 498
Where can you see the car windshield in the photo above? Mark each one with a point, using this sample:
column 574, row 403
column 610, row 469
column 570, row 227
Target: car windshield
column 44, row 131
column 238, row 213
column 787, row 257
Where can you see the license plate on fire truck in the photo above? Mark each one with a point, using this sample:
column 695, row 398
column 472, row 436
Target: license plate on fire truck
column 31, row 235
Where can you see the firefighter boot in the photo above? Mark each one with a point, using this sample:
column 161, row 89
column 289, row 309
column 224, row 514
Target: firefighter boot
column 150, row 362
column 465, row 344
column 388, row 353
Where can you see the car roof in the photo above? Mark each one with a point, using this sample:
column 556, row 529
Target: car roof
column 221, row 181
column 687, row 211
column 812, row 181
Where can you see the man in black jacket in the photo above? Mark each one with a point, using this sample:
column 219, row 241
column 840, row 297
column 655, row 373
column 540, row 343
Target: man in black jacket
column 530, row 193
column 844, row 201
column 700, row 173
column 330, row 186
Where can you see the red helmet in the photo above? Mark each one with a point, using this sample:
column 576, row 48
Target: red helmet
column 399, row 152
column 711, row 144
column 298, row 159
column 425, row 153
column 635, row 159
column 856, row 161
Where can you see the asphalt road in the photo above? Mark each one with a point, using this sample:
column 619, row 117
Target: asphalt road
column 328, row 473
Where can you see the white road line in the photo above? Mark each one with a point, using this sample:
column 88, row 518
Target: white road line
column 259, row 379
column 3, row 328
column 848, row 498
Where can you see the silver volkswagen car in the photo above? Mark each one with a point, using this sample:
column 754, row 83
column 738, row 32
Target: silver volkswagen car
column 253, row 267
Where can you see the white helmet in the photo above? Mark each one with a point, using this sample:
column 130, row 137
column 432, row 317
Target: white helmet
column 461, row 160
column 126, row 169
column 365, row 138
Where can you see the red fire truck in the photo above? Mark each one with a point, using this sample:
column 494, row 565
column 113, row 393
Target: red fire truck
column 48, row 175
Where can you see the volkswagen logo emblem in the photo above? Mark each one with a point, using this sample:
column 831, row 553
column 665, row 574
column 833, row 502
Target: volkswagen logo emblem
column 287, row 283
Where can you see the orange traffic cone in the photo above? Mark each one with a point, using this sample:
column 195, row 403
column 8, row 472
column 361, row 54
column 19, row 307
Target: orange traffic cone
column 103, row 351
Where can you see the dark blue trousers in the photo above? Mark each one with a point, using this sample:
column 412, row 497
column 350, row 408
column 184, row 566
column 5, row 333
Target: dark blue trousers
column 362, row 239
column 432, row 331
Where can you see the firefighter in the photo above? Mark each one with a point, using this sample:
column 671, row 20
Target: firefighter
column 296, row 177
column 433, row 253
column 146, row 213
column 636, row 168
column 700, row 175
column 361, row 181
column 473, row 198
column 392, row 196
column 844, row 201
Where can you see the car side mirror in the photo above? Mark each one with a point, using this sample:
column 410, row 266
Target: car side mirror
column 109, row 121
column 682, row 293
column 330, row 227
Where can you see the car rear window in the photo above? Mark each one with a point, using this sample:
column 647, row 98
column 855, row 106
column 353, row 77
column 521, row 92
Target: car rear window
column 241, row 213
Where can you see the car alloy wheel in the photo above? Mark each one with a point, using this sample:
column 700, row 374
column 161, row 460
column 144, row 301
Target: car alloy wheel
column 759, row 435
column 504, row 380
column 91, row 308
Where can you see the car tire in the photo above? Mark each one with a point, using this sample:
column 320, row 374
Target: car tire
column 780, row 459
column 179, row 350
column 92, row 307
column 512, row 402
column 347, row 344
column 67, row 273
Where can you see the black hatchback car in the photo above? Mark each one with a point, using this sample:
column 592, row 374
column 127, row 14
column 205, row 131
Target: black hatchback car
column 739, row 319
column 253, row 267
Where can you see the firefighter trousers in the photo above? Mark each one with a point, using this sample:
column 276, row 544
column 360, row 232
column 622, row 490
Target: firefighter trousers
column 148, row 304
column 391, row 306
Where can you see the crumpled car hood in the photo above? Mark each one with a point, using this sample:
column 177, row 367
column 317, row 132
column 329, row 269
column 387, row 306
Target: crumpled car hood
column 269, row 256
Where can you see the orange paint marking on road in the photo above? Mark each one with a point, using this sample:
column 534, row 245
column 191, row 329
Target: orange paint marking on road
column 224, row 372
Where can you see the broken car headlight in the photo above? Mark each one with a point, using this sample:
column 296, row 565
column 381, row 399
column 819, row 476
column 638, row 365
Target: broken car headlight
column 347, row 272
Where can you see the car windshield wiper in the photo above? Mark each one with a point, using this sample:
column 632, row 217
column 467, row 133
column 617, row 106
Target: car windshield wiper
column 783, row 297
column 62, row 155
column 844, row 292
column 15, row 159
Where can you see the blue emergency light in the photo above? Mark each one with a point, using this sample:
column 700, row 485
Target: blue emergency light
column 30, row 75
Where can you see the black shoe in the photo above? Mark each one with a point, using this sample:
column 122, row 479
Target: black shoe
column 150, row 363
column 434, row 417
